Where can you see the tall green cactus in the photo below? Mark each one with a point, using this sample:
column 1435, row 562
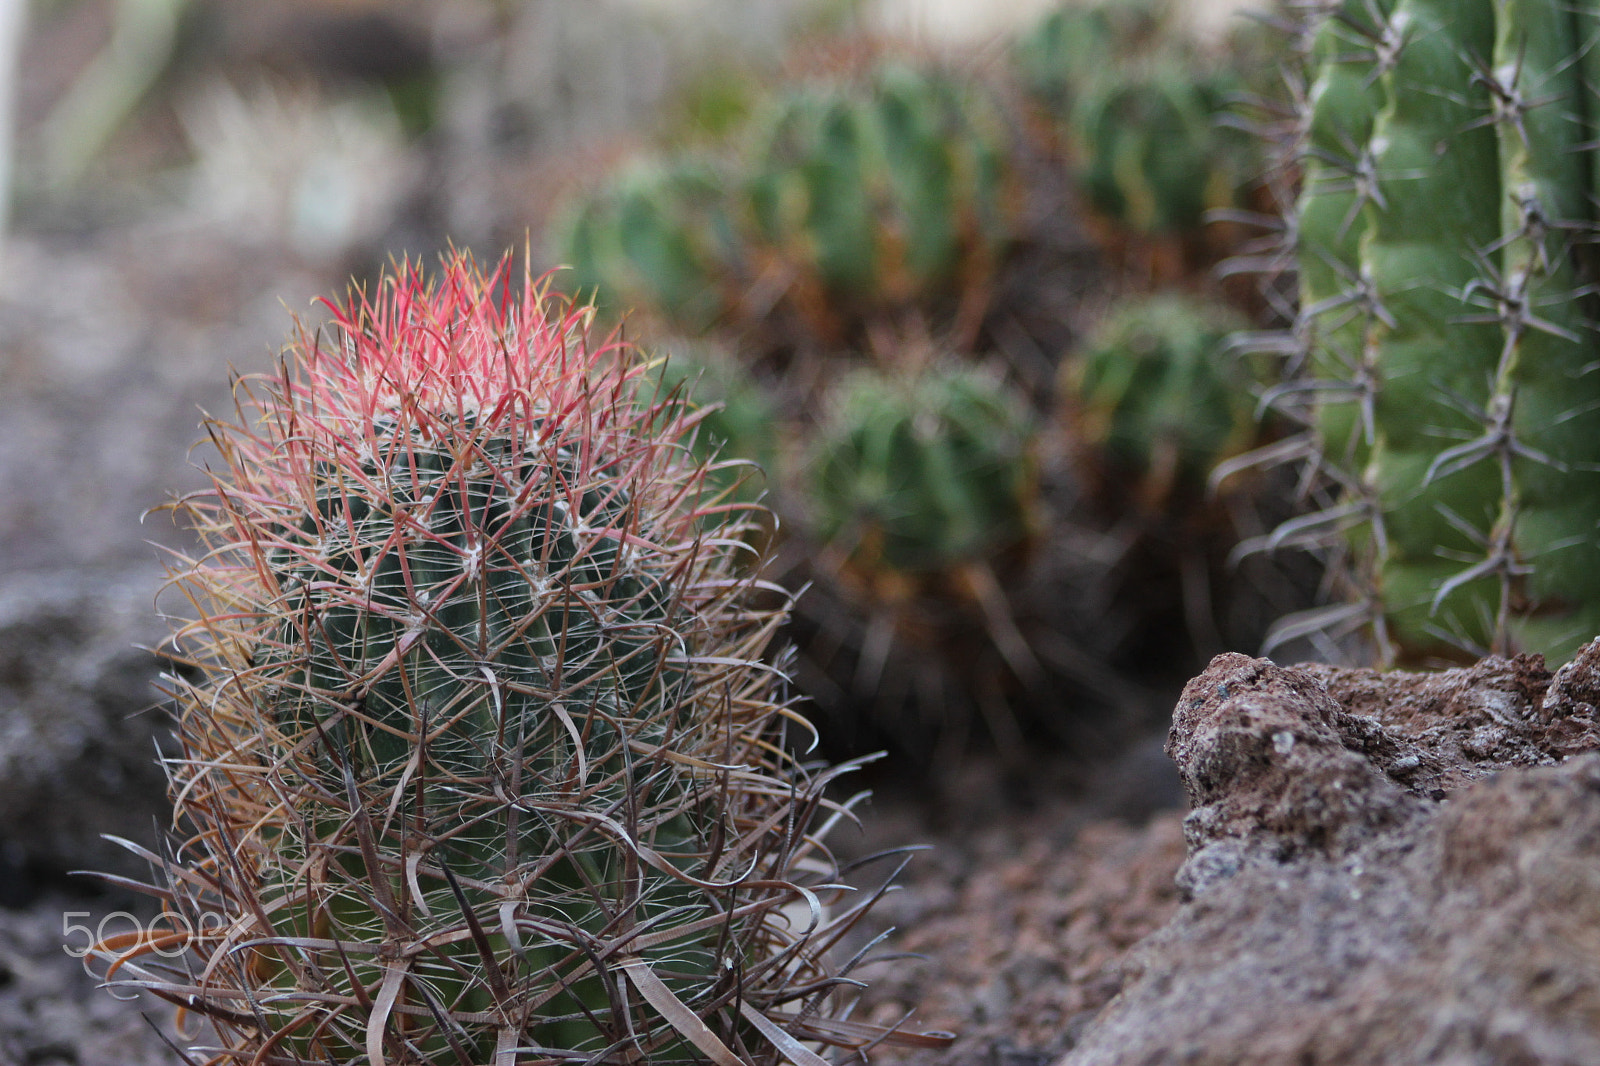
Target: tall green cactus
column 479, row 761
column 1444, row 323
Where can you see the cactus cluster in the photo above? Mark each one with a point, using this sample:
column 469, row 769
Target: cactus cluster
column 1445, row 350
column 847, row 194
column 1139, row 108
column 1157, row 397
column 480, row 755
column 1150, row 151
column 1073, row 42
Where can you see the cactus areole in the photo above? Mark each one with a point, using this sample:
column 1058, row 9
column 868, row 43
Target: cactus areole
column 480, row 758
column 1444, row 237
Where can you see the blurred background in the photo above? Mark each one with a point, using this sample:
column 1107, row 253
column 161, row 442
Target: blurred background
column 954, row 272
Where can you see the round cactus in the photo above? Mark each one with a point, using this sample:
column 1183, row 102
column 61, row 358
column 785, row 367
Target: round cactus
column 917, row 474
column 1063, row 50
column 883, row 192
column 1151, row 152
column 1158, row 396
column 478, row 757
column 657, row 237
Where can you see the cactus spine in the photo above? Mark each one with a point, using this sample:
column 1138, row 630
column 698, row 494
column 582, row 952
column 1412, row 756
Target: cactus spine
column 480, row 761
column 1443, row 320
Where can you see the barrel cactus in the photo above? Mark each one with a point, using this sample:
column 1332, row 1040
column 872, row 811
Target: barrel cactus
column 1062, row 52
column 1150, row 151
column 922, row 496
column 1157, row 399
column 658, row 237
column 881, row 192
column 479, row 758
column 1444, row 346
column 917, row 474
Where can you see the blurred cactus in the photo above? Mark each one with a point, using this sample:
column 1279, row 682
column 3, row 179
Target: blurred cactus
column 845, row 198
column 883, row 193
column 734, row 419
column 1065, row 49
column 1151, row 153
column 922, row 499
column 916, row 475
column 479, row 755
column 657, row 237
column 287, row 165
column 1443, row 336
column 1158, row 398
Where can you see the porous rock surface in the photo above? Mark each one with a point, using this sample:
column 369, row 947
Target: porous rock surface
column 79, row 723
column 1382, row 868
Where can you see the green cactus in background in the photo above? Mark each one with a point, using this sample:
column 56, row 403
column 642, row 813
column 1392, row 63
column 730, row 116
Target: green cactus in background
column 1445, row 347
column 657, row 236
column 735, row 420
column 917, row 474
column 879, row 192
column 480, row 757
column 1065, row 49
column 1157, row 394
column 1148, row 144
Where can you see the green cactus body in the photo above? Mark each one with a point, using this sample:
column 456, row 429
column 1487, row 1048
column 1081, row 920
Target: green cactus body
column 882, row 192
column 657, row 236
column 1336, row 177
column 915, row 476
column 480, row 760
column 1157, row 396
column 1151, row 153
column 1060, row 54
column 1445, row 322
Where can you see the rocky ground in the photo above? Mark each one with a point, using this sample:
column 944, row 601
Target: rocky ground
column 1375, row 868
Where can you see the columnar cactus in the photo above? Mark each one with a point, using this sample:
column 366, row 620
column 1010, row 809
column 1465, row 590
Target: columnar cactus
column 881, row 192
column 1157, row 398
column 479, row 758
column 1444, row 326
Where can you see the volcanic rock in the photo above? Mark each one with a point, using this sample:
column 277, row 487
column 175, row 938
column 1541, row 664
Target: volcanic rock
column 1396, row 868
column 79, row 724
